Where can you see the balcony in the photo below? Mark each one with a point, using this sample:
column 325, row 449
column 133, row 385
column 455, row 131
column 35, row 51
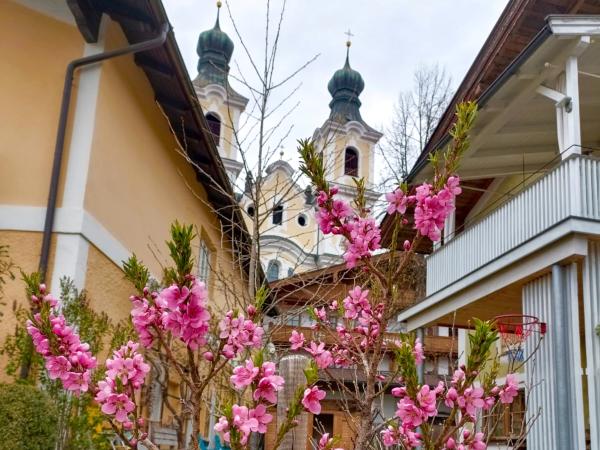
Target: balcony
column 534, row 218
column 433, row 344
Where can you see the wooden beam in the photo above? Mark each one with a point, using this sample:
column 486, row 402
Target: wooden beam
column 153, row 66
column 514, row 150
column 87, row 18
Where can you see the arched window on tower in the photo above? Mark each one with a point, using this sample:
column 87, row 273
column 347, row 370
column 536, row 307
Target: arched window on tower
column 351, row 162
column 214, row 126
column 273, row 270
column 278, row 214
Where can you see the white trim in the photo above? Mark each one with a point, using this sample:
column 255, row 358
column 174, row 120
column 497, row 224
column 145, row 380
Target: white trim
column 574, row 25
column 57, row 9
column 68, row 221
column 70, row 260
column 511, row 267
column 84, row 119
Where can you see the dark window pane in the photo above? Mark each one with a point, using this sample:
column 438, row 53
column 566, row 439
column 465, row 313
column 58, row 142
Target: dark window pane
column 278, row 215
column 214, row 126
column 351, row 162
column 273, row 271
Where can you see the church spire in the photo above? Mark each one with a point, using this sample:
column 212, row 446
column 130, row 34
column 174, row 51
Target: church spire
column 345, row 87
column 214, row 51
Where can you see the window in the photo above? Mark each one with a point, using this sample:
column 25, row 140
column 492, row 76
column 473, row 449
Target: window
column 204, row 262
column 507, row 421
column 290, row 271
column 323, row 423
column 250, row 210
column 214, row 126
column 302, row 220
column 278, row 215
column 351, row 162
column 273, row 270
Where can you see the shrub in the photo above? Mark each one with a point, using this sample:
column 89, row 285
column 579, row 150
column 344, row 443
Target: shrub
column 28, row 418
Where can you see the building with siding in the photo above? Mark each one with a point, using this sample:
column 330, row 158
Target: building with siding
column 525, row 236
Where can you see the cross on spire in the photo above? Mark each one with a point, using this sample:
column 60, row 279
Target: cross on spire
column 350, row 35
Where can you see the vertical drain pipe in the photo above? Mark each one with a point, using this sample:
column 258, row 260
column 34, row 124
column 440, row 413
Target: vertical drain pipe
column 62, row 126
column 564, row 417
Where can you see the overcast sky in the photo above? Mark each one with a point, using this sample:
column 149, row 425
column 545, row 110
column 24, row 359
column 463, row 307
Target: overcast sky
column 391, row 38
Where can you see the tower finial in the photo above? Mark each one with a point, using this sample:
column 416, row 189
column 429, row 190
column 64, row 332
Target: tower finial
column 348, row 44
column 219, row 4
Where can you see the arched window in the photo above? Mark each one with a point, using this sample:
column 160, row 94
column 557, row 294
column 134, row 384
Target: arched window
column 273, row 270
column 351, row 162
column 278, row 215
column 214, row 126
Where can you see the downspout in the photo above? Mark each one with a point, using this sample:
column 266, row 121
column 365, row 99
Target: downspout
column 62, row 126
column 60, row 143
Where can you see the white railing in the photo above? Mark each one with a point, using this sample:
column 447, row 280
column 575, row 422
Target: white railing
column 570, row 189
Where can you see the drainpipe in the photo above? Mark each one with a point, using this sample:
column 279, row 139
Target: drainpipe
column 62, row 126
column 564, row 415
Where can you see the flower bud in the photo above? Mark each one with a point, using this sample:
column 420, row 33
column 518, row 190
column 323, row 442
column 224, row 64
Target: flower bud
column 466, row 434
column 128, row 425
column 208, row 356
column 43, row 288
column 406, row 245
column 251, row 310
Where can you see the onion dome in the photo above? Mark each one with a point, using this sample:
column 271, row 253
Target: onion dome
column 345, row 86
column 214, row 50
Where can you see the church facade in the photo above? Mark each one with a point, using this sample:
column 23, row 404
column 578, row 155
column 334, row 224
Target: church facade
column 290, row 241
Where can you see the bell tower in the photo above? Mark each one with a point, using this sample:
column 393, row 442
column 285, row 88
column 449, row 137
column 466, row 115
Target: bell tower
column 221, row 104
column 347, row 142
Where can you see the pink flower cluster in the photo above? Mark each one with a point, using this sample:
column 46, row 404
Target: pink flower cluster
column 244, row 421
column 326, row 443
column 311, row 400
column 184, row 312
column 180, row 310
column 431, row 207
column 336, row 216
column 66, row 357
column 469, row 399
column 125, row 374
column 470, row 441
column 267, row 383
column 239, row 333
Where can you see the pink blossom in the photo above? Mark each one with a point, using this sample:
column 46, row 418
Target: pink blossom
column 451, row 397
column 418, row 352
column 389, row 436
column 364, row 236
column 427, row 401
column 398, row 201
column 323, row 357
column 243, row 422
column 312, row 399
column 244, row 375
column 409, row 413
column 510, row 390
column 58, row 366
column 261, row 416
column 458, row 376
column 119, row 405
column 239, row 333
column 323, row 441
column 450, row 444
column 321, row 314
column 267, row 388
column 470, row 400
column 478, row 442
column 452, row 184
column 222, row 427
column 406, row 245
column 356, row 302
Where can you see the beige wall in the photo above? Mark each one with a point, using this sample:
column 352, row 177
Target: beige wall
column 31, row 80
column 138, row 184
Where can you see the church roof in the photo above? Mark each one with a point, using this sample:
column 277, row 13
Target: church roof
column 345, row 87
column 214, row 50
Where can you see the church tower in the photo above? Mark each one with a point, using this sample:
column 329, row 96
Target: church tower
column 347, row 142
column 221, row 104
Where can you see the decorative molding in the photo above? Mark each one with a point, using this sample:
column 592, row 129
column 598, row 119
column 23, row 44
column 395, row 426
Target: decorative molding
column 68, row 221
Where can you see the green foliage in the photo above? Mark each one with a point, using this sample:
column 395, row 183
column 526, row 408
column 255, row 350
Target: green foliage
column 481, row 341
column 6, row 268
column 28, row 418
column 405, row 361
column 136, row 272
column 79, row 422
column 180, row 249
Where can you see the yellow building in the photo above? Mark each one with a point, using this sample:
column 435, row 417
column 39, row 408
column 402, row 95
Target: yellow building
column 86, row 186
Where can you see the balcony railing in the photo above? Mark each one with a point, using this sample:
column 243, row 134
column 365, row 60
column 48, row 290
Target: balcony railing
column 571, row 189
column 433, row 344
